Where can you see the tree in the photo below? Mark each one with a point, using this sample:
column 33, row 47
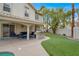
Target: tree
column 59, row 18
column 54, row 23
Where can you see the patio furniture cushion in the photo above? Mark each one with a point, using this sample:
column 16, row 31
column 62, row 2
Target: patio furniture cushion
column 22, row 35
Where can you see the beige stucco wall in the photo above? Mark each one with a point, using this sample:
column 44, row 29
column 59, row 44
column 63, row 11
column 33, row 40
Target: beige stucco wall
column 19, row 28
column 18, row 10
column 41, row 18
column 1, row 7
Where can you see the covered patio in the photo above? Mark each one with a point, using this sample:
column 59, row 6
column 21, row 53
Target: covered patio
column 8, row 25
column 19, row 30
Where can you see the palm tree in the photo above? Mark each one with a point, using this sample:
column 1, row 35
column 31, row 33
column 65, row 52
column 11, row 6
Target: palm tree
column 72, row 23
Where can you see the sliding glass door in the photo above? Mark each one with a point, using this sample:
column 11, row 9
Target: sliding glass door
column 7, row 29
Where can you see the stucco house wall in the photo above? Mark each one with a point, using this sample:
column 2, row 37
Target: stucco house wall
column 17, row 17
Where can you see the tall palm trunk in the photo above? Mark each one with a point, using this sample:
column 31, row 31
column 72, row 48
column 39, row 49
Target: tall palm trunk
column 47, row 22
column 72, row 22
column 78, row 17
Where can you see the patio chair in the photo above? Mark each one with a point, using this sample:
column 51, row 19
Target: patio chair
column 22, row 35
column 32, row 35
column 13, row 34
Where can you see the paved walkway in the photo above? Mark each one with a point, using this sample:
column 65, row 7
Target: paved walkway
column 23, row 47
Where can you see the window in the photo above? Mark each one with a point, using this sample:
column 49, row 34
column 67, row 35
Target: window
column 6, row 7
column 36, row 16
column 26, row 11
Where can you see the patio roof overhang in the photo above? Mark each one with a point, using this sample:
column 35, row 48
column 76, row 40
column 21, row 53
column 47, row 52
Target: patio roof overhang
column 19, row 19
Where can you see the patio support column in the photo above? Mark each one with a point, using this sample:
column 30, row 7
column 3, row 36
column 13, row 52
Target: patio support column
column 28, row 32
column 0, row 31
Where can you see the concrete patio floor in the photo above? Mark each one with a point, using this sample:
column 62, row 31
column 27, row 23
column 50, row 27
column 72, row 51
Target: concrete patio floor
column 23, row 47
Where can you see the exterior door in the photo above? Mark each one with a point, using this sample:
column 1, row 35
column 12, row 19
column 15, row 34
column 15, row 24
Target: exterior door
column 12, row 29
column 7, row 29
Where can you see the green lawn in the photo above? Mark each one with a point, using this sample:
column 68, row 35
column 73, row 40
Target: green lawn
column 58, row 45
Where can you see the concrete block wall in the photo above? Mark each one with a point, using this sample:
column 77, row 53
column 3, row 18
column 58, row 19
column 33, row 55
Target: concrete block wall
column 67, row 31
column 64, row 31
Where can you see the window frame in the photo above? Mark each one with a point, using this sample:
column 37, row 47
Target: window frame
column 6, row 7
column 26, row 14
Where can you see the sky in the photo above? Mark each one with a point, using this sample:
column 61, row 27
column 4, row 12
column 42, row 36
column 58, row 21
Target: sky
column 55, row 5
column 66, row 6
